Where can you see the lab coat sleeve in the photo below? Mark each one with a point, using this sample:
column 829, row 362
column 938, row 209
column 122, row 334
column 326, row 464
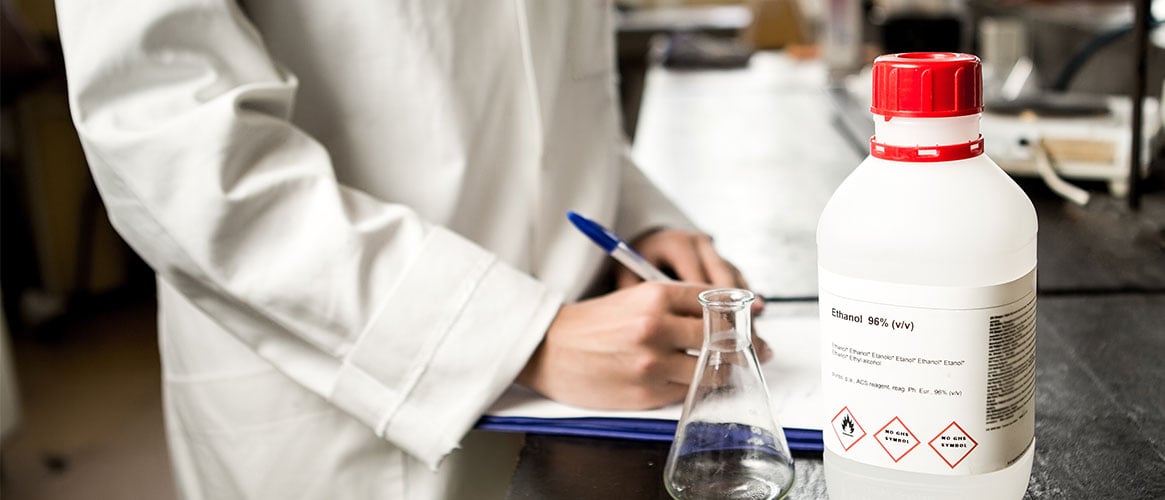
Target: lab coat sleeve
column 408, row 327
column 642, row 206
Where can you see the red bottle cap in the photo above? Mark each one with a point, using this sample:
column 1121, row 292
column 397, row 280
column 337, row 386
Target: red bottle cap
column 927, row 85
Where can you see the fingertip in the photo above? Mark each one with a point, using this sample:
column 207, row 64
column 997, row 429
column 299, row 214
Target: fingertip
column 758, row 305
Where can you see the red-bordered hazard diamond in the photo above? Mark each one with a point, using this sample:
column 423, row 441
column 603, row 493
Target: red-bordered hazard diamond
column 896, row 439
column 847, row 428
column 953, row 444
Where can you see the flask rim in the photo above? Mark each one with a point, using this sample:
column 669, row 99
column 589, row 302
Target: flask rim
column 726, row 297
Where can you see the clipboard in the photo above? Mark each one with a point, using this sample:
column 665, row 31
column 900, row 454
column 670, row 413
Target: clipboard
column 793, row 377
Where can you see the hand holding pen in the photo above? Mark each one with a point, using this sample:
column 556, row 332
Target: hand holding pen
column 627, row 349
column 632, row 260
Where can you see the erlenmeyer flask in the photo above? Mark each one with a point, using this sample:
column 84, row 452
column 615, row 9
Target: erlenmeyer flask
column 728, row 443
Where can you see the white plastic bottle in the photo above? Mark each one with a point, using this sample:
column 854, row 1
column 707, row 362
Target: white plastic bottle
column 927, row 257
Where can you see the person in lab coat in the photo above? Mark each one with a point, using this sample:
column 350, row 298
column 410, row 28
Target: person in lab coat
column 356, row 215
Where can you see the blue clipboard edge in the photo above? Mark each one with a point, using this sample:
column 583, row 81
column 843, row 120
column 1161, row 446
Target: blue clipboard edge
column 639, row 429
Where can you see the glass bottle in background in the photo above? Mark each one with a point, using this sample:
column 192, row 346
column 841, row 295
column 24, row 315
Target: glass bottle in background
column 728, row 444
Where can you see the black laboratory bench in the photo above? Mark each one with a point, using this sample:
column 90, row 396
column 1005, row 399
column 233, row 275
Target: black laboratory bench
column 752, row 155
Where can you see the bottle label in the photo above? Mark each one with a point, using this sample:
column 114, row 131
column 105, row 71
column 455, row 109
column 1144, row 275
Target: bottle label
column 939, row 380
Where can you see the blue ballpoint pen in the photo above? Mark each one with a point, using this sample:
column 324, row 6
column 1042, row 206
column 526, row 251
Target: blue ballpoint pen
column 617, row 248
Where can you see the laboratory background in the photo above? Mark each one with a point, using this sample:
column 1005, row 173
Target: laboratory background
column 747, row 114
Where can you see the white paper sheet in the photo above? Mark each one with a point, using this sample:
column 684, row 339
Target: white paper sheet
column 793, row 377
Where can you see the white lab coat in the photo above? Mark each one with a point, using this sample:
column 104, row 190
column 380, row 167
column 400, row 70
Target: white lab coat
column 356, row 211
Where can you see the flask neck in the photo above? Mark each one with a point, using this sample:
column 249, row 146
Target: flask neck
column 727, row 319
column 912, row 132
column 728, row 329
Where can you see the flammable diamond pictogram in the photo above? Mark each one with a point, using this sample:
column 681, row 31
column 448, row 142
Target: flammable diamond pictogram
column 954, row 444
column 847, row 429
column 896, row 439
